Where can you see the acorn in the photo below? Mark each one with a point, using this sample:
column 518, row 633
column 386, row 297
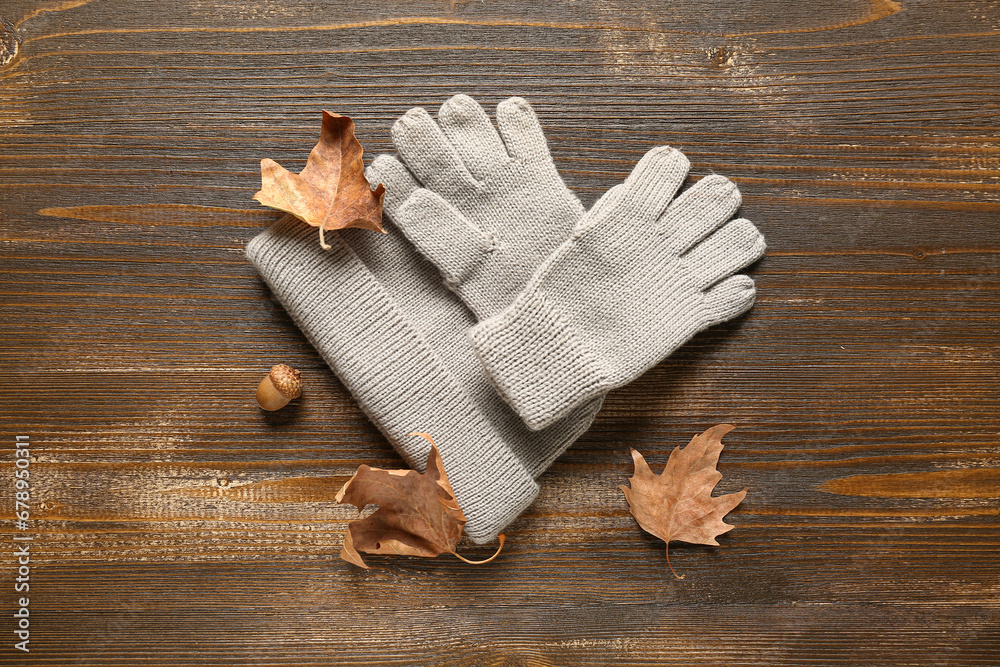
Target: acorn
column 281, row 385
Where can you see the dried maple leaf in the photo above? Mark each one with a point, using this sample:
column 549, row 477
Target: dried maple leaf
column 332, row 191
column 417, row 514
column 678, row 504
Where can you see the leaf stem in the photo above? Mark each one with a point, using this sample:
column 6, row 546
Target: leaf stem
column 322, row 243
column 500, row 537
column 679, row 576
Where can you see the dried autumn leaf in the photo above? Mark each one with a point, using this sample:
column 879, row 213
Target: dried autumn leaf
column 678, row 503
column 332, row 191
column 417, row 514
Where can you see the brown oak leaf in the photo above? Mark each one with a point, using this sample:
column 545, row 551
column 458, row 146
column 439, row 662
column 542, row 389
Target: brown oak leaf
column 332, row 191
column 417, row 514
column 678, row 503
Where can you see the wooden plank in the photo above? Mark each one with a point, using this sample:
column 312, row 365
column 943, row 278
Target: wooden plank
column 178, row 525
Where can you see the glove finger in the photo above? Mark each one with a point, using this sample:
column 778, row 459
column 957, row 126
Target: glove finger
column 398, row 181
column 699, row 211
column 655, row 181
column 442, row 234
column 522, row 133
column 429, row 155
column 471, row 133
column 730, row 298
column 736, row 245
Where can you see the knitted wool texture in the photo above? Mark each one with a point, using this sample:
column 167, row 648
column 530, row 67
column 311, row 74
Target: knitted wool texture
column 485, row 207
column 395, row 336
column 640, row 275
column 489, row 209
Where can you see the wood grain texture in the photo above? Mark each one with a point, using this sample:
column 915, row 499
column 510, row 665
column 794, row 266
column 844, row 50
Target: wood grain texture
column 178, row 525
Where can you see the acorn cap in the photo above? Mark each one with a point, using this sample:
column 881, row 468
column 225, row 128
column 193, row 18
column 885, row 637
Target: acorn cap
column 286, row 380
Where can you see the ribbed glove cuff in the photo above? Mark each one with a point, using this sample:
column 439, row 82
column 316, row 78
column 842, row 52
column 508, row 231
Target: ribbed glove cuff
column 396, row 378
column 537, row 363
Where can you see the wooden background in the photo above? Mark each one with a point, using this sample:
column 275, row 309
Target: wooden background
column 176, row 524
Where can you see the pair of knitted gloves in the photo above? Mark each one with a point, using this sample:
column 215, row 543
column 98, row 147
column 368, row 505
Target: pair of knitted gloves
column 543, row 307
